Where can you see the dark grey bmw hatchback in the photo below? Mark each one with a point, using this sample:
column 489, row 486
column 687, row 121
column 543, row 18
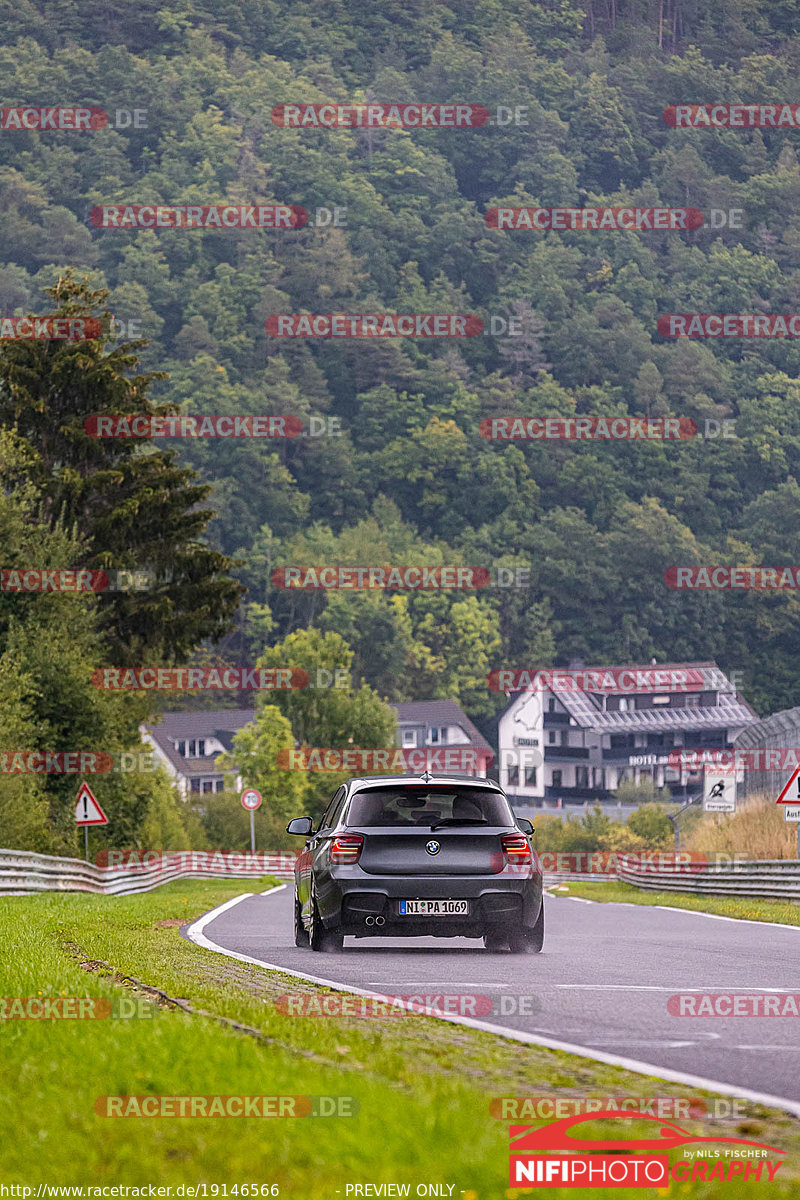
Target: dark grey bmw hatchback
column 418, row 856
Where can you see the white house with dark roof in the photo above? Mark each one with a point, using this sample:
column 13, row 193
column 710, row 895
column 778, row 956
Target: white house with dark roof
column 187, row 744
column 561, row 746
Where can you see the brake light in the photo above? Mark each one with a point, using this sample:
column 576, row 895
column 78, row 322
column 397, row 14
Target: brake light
column 516, row 849
column 346, row 848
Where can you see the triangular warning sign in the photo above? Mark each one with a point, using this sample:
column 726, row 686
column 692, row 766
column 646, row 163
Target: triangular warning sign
column 790, row 794
column 87, row 810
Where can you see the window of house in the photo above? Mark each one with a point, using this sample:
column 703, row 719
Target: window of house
column 693, row 699
column 551, row 705
column 513, row 776
column 626, row 704
column 194, row 748
column 556, row 779
column 530, row 776
column 552, row 739
column 437, row 735
column 409, row 737
column 582, row 777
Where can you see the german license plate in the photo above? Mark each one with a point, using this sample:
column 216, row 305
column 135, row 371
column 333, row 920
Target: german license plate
column 434, row 908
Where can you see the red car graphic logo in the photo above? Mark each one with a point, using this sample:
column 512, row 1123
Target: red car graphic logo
column 557, row 1136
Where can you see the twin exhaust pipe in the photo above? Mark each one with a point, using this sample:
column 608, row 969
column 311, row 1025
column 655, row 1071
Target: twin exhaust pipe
column 375, row 921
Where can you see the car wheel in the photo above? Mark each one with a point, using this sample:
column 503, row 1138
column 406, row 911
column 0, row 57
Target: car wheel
column 528, row 941
column 300, row 931
column 495, row 941
column 320, row 938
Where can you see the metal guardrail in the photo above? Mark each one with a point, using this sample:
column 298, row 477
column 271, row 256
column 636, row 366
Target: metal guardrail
column 24, row 873
column 769, row 879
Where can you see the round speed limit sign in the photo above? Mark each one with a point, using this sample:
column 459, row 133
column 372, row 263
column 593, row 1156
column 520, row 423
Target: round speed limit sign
column 251, row 799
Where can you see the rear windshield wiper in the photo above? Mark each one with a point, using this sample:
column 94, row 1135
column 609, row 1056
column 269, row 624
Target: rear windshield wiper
column 459, row 821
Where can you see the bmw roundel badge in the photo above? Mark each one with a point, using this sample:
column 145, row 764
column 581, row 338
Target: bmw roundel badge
column 432, row 847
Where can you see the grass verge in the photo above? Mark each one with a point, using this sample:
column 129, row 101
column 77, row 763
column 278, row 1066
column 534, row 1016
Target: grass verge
column 422, row 1087
column 780, row 912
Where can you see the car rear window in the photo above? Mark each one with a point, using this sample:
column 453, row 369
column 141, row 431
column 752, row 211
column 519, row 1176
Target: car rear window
column 425, row 805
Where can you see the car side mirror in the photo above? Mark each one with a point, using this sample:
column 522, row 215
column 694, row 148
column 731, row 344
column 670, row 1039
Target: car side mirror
column 300, row 825
column 525, row 825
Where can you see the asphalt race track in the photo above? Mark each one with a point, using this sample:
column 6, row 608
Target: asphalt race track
column 601, row 983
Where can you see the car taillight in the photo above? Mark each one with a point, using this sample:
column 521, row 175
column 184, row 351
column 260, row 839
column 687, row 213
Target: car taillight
column 516, row 849
column 346, row 848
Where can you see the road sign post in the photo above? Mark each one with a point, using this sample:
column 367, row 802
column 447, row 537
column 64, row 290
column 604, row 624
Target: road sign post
column 251, row 800
column 88, row 812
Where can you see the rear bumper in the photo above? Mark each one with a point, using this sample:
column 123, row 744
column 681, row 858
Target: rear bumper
column 496, row 901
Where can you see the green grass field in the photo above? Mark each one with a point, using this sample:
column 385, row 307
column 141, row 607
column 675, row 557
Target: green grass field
column 748, row 909
column 423, row 1086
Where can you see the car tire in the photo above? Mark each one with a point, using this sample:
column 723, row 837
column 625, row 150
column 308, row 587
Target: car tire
column 300, row 931
column 528, row 941
column 495, row 942
column 321, row 939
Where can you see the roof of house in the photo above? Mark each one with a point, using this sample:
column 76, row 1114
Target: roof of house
column 176, row 726
column 223, row 724
column 586, row 707
column 440, row 712
column 731, row 710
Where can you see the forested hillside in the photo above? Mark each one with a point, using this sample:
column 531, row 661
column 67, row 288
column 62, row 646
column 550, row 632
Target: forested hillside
column 410, row 479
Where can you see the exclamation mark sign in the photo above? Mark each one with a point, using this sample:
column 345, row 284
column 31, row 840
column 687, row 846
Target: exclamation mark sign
column 85, row 808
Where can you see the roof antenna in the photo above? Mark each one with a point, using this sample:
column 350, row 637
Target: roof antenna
column 426, row 776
